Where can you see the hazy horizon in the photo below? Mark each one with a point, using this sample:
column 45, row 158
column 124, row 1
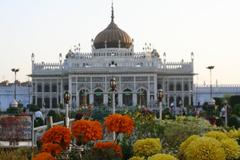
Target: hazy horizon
column 210, row 29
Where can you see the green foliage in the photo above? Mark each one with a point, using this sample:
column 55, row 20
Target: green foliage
column 126, row 144
column 219, row 101
column 100, row 112
column 56, row 116
column 14, row 110
column 38, row 122
column 234, row 121
column 236, row 109
column 234, row 100
column 176, row 131
column 33, row 107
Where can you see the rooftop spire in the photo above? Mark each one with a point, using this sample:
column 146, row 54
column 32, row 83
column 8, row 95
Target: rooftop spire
column 112, row 17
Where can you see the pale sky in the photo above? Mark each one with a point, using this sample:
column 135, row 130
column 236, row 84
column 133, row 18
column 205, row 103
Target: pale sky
column 209, row 28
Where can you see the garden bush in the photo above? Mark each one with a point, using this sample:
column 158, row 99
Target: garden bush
column 16, row 154
column 205, row 148
column 162, row 157
column 147, row 147
column 176, row 131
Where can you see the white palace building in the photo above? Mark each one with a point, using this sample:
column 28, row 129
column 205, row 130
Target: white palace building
column 139, row 75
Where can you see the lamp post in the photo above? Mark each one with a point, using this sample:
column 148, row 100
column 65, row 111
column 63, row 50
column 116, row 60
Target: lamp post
column 210, row 69
column 113, row 86
column 67, row 97
column 160, row 97
column 15, row 73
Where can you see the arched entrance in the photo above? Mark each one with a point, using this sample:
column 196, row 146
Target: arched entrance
column 142, row 97
column 98, row 97
column 127, row 97
column 83, row 97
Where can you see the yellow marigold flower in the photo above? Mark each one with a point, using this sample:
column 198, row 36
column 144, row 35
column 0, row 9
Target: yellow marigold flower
column 231, row 148
column 136, row 158
column 184, row 145
column 204, row 148
column 147, row 147
column 235, row 134
column 162, row 157
column 217, row 135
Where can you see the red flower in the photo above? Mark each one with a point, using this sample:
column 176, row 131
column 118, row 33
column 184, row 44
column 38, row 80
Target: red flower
column 119, row 123
column 109, row 146
column 57, row 135
column 44, row 156
column 86, row 130
column 52, row 148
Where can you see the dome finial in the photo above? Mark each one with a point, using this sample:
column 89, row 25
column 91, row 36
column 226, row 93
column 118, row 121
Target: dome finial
column 112, row 17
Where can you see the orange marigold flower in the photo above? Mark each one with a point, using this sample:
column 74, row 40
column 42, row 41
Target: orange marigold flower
column 57, row 135
column 86, row 130
column 52, row 148
column 119, row 123
column 109, row 146
column 44, row 156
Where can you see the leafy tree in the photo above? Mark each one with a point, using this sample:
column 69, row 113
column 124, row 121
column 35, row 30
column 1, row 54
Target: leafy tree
column 236, row 109
column 234, row 100
column 33, row 107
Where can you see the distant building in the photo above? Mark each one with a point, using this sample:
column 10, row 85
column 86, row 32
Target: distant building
column 202, row 92
column 23, row 93
column 139, row 75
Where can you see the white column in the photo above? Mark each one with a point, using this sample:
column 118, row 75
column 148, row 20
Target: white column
column 190, row 92
column 91, row 97
column 148, row 91
column 105, row 95
column 120, row 95
column 105, row 98
column 182, row 89
column 43, row 93
column 77, row 98
column 61, row 91
column 134, row 92
column 50, row 89
column 35, row 92
column 120, row 99
column 70, row 91
column 155, row 88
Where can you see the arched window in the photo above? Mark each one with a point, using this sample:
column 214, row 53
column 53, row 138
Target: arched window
column 142, row 97
column 83, row 97
column 127, row 97
column 98, row 97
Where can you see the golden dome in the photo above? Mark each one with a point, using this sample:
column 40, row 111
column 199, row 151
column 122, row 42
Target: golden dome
column 112, row 37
